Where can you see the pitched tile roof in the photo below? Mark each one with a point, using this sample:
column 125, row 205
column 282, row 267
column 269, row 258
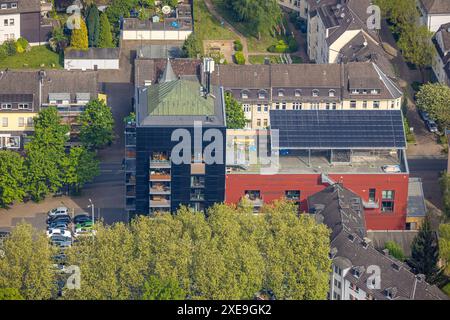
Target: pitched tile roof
column 436, row 6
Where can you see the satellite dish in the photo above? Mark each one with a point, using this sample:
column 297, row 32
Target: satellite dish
column 166, row 9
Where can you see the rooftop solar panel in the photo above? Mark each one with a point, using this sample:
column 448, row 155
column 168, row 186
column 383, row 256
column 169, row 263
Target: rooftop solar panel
column 339, row 129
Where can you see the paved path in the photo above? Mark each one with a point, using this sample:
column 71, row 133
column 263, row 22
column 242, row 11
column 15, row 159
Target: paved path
column 230, row 27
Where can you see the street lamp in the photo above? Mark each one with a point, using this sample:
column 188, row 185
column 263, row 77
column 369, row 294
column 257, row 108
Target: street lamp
column 92, row 209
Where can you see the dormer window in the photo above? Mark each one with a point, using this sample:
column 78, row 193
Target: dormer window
column 281, row 93
column 357, row 272
column 355, row 91
column 244, row 94
column 13, row 5
column 375, row 91
column 298, row 93
column 4, row 6
column 332, row 93
column 315, row 93
column 262, row 94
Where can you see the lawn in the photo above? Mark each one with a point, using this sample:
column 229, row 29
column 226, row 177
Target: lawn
column 259, row 59
column 248, row 30
column 208, row 27
column 38, row 57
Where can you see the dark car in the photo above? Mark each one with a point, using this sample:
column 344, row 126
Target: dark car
column 61, row 241
column 4, row 234
column 81, row 218
column 62, row 218
column 58, row 225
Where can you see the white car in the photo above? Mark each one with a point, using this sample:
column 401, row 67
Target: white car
column 59, row 232
column 58, row 212
column 391, row 169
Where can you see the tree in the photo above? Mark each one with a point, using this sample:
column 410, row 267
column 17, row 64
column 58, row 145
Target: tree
column 395, row 250
column 105, row 37
column 416, row 46
column 12, row 178
column 235, row 113
column 97, row 125
column 45, row 154
column 93, row 25
column 402, row 13
column 26, row 264
column 444, row 246
column 80, row 167
column 434, row 98
column 191, row 46
column 10, row 294
column 58, row 42
column 155, row 289
column 79, row 39
column 425, row 252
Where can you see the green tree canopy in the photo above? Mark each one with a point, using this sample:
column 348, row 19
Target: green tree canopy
column 26, row 266
column 105, row 37
column 192, row 46
column 45, row 154
column 155, row 289
column 434, row 98
column 93, row 25
column 425, row 252
column 395, row 250
column 444, row 246
column 97, row 125
column 79, row 38
column 80, row 167
column 235, row 113
column 12, row 178
column 10, row 294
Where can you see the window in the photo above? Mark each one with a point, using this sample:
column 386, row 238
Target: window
column 253, row 195
column 372, row 195
column 334, row 105
column 6, row 106
column 4, row 6
column 5, row 22
column 277, row 106
column 246, row 107
column 259, row 108
column 24, row 105
column 197, row 195
column 298, row 93
column 355, row 91
column 365, row 104
column 315, row 106
column 266, row 123
column 283, row 106
column 266, row 108
column 375, row 91
column 281, row 93
column 4, row 122
column 332, row 93
column 30, row 122
column 392, row 104
column 297, row 106
column 387, row 204
column 315, row 93
column 376, row 104
column 293, row 195
column 11, row 22
column 262, row 95
column 13, row 5
column 21, row 121
column 337, row 270
column 327, row 106
column 258, row 122
column 353, row 104
column 244, row 94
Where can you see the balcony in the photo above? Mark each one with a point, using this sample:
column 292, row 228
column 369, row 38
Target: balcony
column 371, row 205
column 160, row 189
column 159, row 202
column 197, row 196
column 130, row 154
column 160, row 160
column 160, row 176
column 197, row 182
column 254, row 198
column 130, row 179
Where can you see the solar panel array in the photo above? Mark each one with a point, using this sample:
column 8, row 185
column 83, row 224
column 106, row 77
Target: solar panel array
column 339, row 129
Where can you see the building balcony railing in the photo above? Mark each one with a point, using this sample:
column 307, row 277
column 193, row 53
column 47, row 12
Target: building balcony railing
column 197, row 184
column 159, row 203
column 371, row 205
column 160, row 163
column 130, row 180
column 160, row 177
column 197, row 197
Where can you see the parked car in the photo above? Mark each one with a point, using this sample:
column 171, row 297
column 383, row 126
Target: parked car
column 391, row 169
column 60, row 258
column 4, row 234
column 61, row 241
column 58, row 212
column 84, row 232
column 58, row 225
column 60, row 218
column 83, row 217
column 432, row 126
column 61, row 232
column 424, row 115
column 84, row 224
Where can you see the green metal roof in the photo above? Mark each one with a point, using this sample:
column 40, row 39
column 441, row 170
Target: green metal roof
column 178, row 98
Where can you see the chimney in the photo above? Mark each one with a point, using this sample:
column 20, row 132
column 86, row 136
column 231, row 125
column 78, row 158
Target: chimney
column 208, row 69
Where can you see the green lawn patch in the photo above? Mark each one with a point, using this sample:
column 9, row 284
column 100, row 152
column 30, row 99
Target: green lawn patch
column 446, row 289
column 207, row 27
column 38, row 57
column 259, row 59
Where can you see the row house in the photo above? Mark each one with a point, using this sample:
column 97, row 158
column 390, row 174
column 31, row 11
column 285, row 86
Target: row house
column 434, row 13
column 352, row 86
column 441, row 62
column 359, row 270
column 22, row 18
column 24, row 93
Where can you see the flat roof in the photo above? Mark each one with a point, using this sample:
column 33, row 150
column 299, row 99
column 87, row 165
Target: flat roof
column 339, row 129
column 416, row 199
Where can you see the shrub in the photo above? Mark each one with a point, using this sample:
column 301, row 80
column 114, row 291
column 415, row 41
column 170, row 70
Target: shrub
column 10, row 47
column 3, row 53
column 238, row 45
column 239, row 57
column 21, row 45
column 280, row 47
column 395, row 250
column 293, row 45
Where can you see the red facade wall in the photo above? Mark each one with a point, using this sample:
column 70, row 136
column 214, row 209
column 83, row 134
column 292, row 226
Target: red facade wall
column 273, row 187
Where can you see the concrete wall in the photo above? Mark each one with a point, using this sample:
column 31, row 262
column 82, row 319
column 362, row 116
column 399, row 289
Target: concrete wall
column 155, row 35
